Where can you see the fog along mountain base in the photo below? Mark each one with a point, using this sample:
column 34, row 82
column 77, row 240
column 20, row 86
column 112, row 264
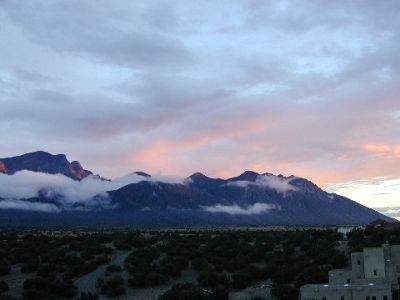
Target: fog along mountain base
column 248, row 199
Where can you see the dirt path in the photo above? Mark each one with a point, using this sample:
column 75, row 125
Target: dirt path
column 15, row 280
column 87, row 283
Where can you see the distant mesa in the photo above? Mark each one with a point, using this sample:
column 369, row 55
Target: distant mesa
column 44, row 162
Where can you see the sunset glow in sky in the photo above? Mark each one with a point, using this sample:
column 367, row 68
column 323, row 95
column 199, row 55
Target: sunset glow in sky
column 175, row 87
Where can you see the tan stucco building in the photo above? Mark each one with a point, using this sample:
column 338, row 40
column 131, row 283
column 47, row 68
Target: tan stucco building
column 374, row 275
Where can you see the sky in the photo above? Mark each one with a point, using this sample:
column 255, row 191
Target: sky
column 309, row 88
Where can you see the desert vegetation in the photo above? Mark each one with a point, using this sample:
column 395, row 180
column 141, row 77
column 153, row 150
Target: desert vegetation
column 224, row 262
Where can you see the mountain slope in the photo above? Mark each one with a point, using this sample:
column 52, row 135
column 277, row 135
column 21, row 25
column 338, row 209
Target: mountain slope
column 43, row 162
column 249, row 199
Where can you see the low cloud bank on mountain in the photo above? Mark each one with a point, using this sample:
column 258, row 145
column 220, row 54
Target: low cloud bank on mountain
column 280, row 184
column 27, row 184
column 254, row 209
column 135, row 178
column 26, row 205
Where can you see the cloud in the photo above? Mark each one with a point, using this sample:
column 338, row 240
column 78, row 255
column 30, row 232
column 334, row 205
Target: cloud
column 135, row 178
column 373, row 192
column 26, row 205
column 107, row 33
column 383, row 149
column 280, row 184
column 254, row 209
column 27, row 184
column 393, row 211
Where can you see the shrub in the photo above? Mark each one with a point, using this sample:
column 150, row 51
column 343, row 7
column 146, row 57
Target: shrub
column 241, row 280
column 40, row 288
column 4, row 267
column 284, row 292
column 113, row 269
column 3, row 286
column 112, row 287
column 88, row 296
column 9, row 297
column 62, row 289
column 152, row 278
column 31, row 265
column 35, row 284
column 184, row 291
column 220, row 293
column 199, row 263
column 210, row 279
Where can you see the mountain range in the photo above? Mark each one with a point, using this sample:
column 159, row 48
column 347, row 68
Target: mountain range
column 140, row 199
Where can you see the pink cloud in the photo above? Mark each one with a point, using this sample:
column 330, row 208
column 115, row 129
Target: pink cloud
column 383, row 149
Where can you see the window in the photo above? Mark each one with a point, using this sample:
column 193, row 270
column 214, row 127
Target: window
column 373, row 298
column 367, row 298
column 358, row 262
column 398, row 280
column 385, row 298
column 323, row 298
column 341, row 298
column 375, row 272
column 348, row 280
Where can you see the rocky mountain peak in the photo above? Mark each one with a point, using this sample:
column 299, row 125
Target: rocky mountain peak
column 3, row 168
column 198, row 176
column 44, row 162
column 246, row 176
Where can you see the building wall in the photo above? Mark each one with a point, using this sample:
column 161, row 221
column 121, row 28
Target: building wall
column 339, row 276
column 395, row 254
column 374, row 263
column 357, row 265
column 318, row 293
column 347, row 292
column 393, row 266
column 379, row 292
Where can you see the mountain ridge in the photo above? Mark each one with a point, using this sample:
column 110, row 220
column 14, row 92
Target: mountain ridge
column 44, row 162
column 248, row 199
